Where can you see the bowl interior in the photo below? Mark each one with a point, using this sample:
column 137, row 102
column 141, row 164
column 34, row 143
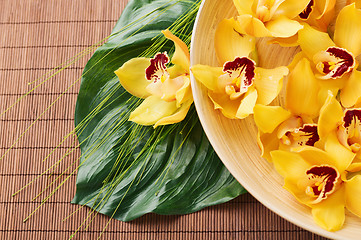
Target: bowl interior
column 235, row 140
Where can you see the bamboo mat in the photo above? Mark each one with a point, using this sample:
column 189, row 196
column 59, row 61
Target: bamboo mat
column 36, row 36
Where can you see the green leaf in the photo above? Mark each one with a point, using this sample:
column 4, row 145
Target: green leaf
column 127, row 170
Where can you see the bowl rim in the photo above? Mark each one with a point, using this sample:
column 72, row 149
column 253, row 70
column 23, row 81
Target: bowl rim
column 243, row 180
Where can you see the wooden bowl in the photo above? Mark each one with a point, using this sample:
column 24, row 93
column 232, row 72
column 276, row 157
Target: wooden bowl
column 235, row 140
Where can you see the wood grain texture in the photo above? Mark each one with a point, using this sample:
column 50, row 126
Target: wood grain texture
column 38, row 35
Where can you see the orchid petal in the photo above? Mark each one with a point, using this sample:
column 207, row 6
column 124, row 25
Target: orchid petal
column 331, row 114
column 358, row 104
column 301, row 81
column 333, row 84
column 351, row 93
column 322, row 23
column 353, row 195
column 313, row 41
column 315, row 156
column 170, row 88
column 323, row 94
column 286, row 42
column 343, row 155
column 132, row 76
column 289, row 165
column 222, row 102
column 348, row 29
column 252, row 26
column 293, row 187
column 356, row 161
column 185, row 92
column 243, row 6
column 247, row 104
column 267, row 118
column 177, row 116
column 298, row 57
column 323, row 7
column 322, row 14
column 268, row 83
column 291, row 8
column 283, row 27
column 208, row 76
column 330, row 213
column 181, row 53
column 354, row 167
column 151, row 110
column 288, row 125
column 267, row 142
column 175, row 71
column 155, row 88
column 230, row 44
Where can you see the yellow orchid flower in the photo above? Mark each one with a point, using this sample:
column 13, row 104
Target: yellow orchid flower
column 319, row 180
column 269, row 18
column 340, row 130
column 286, row 129
column 239, row 85
column 166, row 91
column 335, row 61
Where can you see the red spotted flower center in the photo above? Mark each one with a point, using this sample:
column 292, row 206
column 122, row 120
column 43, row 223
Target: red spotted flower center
column 322, row 181
column 334, row 62
column 349, row 133
column 305, row 135
column 304, row 15
column 295, row 133
column 239, row 76
column 157, row 70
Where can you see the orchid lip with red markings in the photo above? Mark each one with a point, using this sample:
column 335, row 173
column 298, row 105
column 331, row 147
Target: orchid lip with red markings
column 349, row 133
column 351, row 116
column 305, row 135
column 335, row 62
column 323, row 181
column 157, row 69
column 304, row 15
column 241, row 71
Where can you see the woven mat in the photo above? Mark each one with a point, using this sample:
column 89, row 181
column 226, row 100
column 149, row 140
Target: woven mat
column 36, row 36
